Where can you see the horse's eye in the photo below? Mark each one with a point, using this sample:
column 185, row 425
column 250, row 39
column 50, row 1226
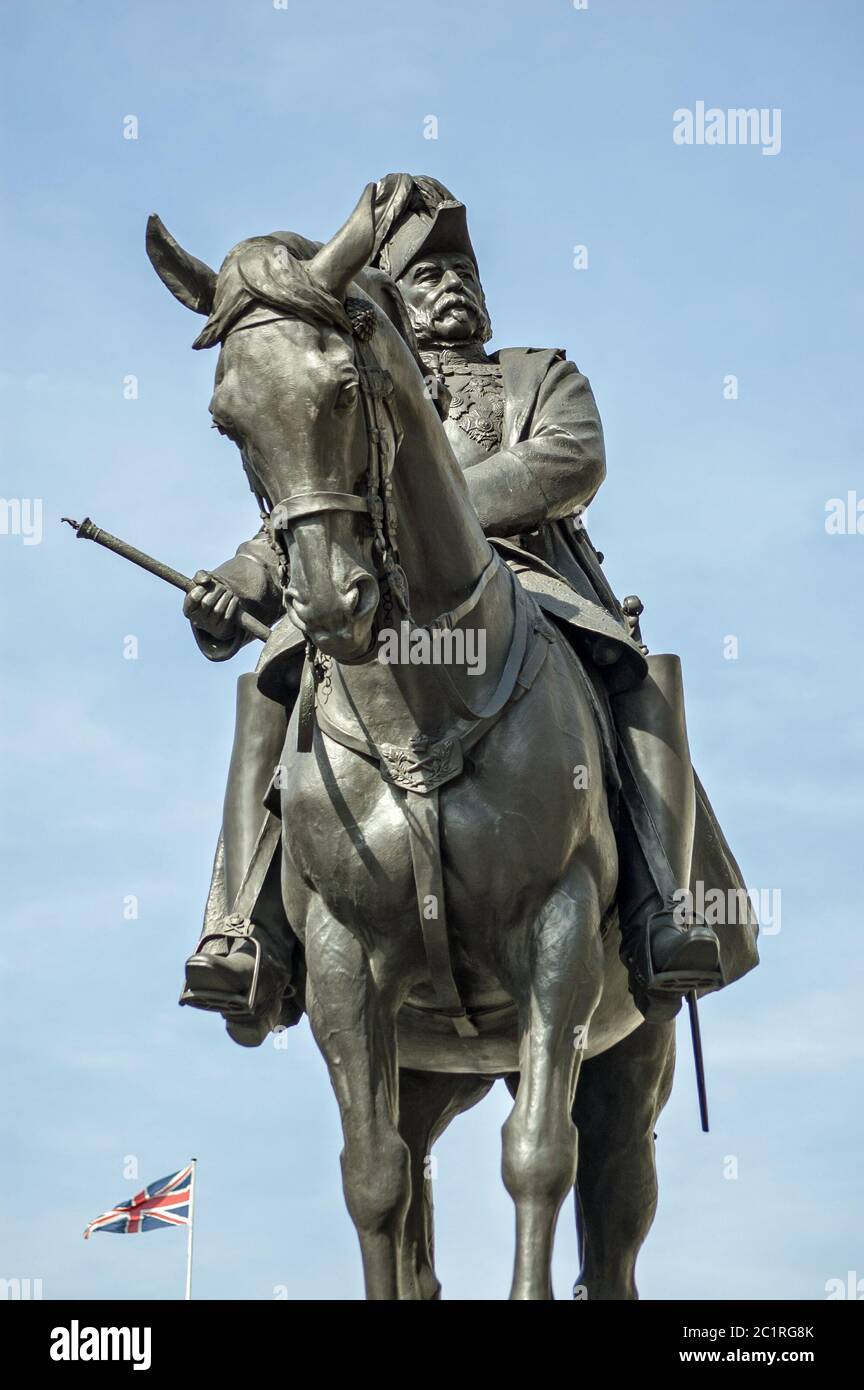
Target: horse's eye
column 348, row 393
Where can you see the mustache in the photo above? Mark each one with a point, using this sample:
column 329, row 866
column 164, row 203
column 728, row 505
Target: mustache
column 452, row 299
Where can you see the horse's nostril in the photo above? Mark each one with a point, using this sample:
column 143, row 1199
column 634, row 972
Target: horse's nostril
column 338, row 616
column 361, row 597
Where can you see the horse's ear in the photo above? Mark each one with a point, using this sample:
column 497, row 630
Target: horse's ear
column 337, row 263
column 188, row 279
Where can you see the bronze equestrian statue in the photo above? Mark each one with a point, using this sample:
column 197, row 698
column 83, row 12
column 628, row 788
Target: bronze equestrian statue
column 461, row 856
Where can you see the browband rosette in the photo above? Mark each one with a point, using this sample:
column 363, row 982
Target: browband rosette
column 362, row 316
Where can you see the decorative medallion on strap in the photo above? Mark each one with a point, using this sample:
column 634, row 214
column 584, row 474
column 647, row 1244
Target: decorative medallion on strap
column 422, row 766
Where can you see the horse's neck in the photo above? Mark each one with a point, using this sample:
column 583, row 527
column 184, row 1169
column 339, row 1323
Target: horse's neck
column 442, row 547
column 443, row 552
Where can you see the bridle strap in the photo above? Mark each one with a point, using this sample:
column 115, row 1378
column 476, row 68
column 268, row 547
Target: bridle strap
column 302, row 504
column 378, row 505
column 373, row 388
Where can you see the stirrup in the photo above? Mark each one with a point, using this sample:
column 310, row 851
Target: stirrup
column 696, row 960
column 658, row 994
column 221, row 1001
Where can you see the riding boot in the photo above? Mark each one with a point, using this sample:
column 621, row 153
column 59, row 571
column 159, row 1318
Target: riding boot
column 244, row 963
column 667, row 949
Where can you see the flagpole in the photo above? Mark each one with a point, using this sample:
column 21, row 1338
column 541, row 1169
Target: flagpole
column 189, row 1240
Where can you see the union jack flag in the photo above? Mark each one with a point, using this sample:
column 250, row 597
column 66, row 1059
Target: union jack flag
column 163, row 1203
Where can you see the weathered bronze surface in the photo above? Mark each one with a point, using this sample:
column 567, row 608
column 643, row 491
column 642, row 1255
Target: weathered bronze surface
column 481, row 863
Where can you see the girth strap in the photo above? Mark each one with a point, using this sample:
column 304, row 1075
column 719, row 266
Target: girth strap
column 423, row 814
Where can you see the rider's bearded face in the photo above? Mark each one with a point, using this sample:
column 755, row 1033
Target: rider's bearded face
column 445, row 300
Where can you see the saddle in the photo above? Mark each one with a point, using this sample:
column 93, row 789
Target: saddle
column 591, row 629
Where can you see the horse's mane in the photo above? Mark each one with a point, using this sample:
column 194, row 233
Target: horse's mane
column 271, row 270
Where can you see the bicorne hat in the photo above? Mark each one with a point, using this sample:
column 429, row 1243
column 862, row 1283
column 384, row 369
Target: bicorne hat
column 433, row 220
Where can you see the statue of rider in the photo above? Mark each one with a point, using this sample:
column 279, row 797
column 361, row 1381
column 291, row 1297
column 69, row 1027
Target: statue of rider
column 524, row 426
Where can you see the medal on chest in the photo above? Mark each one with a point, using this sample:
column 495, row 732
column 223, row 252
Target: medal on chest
column 477, row 403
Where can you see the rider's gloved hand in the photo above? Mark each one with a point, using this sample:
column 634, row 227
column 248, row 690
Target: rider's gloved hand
column 212, row 606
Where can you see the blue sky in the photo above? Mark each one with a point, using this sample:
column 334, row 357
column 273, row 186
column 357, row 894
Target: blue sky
column 555, row 126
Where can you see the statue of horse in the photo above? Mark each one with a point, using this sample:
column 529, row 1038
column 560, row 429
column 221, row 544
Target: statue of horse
column 449, row 861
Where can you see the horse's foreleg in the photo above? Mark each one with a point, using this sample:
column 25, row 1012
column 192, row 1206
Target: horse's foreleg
column 354, row 1027
column 539, row 1159
column 428, row 1101
column 619, row 1097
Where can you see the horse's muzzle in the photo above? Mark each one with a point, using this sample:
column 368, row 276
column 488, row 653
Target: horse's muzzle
column 341, row 627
